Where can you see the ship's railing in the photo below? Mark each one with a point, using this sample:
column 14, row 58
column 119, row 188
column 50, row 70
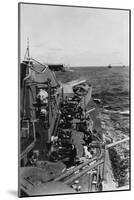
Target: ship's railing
column 82, row 172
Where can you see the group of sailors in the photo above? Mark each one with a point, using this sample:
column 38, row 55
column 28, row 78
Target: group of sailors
column 60, row 145
column 62, row 141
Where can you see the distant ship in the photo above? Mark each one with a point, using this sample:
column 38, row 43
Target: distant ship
column 109, row 66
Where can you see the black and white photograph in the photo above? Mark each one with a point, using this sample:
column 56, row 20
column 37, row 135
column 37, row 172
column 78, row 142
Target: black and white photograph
column 74, row 99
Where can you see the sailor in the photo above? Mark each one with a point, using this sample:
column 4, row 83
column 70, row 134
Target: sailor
column 72, row 156
column 87, row 153
column 44, row 111
column 54, row 139
column 43, row 95
column 33, row 160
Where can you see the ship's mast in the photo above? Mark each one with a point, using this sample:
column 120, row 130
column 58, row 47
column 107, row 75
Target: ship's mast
column 27, row 54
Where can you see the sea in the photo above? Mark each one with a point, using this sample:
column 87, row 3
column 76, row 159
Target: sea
column 111, row 86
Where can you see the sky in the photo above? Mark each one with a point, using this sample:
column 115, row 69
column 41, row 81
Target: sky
column 75, row 36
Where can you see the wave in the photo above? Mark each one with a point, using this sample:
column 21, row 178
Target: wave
column 125, row 112
column 111, row 93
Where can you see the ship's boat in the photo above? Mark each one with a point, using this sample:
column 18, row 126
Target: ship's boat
column 109, row 66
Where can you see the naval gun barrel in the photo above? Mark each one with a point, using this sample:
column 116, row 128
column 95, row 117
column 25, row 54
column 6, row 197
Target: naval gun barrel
column 116, row 143
column 76, row 168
